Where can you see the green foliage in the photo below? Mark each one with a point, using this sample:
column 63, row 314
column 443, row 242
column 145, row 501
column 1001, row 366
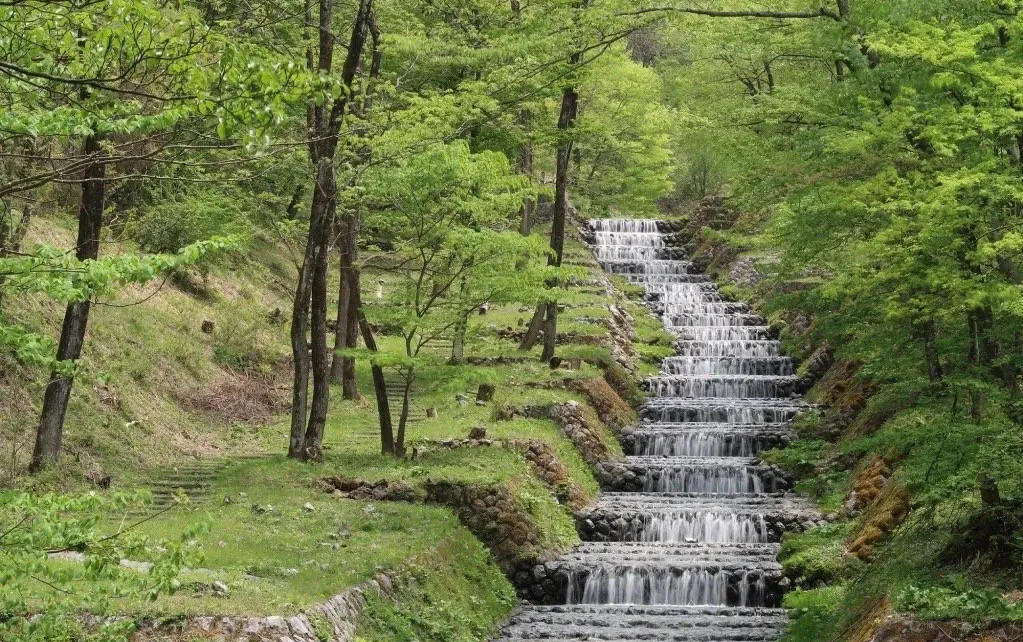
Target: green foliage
column 46, row 597
column 456, row 597
column 818, row 556
column 975, row 605
column 802, row 457
column 813, row 612
column 60, row 276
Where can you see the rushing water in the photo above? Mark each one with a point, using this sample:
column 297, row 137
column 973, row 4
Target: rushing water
column 693, row 548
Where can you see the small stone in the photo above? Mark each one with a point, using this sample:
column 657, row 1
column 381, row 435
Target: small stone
column 227, row 499
column 207, row 326
column 308, row 507
column 369, row 509
column 220, row 588
column 478, row 432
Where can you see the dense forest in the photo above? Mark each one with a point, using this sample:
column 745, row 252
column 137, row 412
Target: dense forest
column 251, row 251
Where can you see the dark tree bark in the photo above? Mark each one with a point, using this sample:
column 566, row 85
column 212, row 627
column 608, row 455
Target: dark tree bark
column 461, row 326
column 546, row 315
column 343, row 368
column 310, row 307
column 927, row 333
column 533, row 330
column 11, row 236
column 569, row 109
column 50, row 433
column 322, row 217
column 406, row 397
column 379, row 383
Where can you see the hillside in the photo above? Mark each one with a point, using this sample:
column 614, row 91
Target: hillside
column 449, row 320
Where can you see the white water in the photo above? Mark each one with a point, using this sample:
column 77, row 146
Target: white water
column 724, row 396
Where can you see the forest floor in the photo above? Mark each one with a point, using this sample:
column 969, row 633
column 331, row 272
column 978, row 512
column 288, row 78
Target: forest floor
column 163, row 407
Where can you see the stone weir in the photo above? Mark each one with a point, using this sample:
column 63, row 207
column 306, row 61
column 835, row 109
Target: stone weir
column 683, row 543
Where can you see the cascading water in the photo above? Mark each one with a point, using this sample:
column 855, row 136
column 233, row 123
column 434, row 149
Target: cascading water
column 690, row 555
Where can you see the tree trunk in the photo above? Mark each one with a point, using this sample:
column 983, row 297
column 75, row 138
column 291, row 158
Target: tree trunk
column 458, row 341
column 379, row 383
column 11, row 237
column 343, row 368
column 311, row 293
column 533, row 331
column 979, row 355
column 50, row 432
column 928, row 334
column 320, row 240
column 399, row 442
column 300, row 356
column 550, row 332
column 569, row 109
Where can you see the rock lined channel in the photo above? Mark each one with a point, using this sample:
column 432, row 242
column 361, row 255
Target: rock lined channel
column 683, row 543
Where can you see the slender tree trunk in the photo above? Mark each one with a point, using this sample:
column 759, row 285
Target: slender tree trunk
column 300, row 356
column 11, row 237
column 569, row 109
column 379, row 383
column 927, row 333
column 311, row 293
column 533, row 331
column 978, row 355
column 458, row 341
column 550, row 332
column 50, row 432
column 343, row 368
column 399, row 442
column 325, row 183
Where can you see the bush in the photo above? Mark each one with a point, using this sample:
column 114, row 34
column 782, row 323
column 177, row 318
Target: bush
column 240, row 343
column 818, row 555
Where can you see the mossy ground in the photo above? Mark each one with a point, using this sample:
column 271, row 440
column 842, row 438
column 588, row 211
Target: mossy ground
column 158, row 394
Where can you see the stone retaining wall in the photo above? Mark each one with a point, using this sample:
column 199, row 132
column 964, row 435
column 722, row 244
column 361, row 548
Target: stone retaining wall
column 340, row 614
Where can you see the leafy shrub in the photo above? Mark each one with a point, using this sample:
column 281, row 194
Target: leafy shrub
column 817, row 555
column 939, row 603
column 240, row 343
column 42, row 598
column 171, row 224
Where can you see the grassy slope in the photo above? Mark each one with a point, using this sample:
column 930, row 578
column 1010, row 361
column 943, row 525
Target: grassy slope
column 841, row 593
column 158, row 393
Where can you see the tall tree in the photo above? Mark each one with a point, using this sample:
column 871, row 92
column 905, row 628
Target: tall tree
column 309, row 312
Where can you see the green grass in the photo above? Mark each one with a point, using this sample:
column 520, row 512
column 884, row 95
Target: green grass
column 818, row 555
column 134, row 416
column 455, row 596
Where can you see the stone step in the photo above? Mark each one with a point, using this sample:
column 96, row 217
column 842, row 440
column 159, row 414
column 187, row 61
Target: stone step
column 753, row 348
column 739, row 411
column 721, row 442
column 672, row 553
column 706, row 307
column 691, row 474
column 682, row 517
column 695, row 318
column 777, row 366
column 622, row 623
column 723, row 386
column 647, row 278
column 722, row 333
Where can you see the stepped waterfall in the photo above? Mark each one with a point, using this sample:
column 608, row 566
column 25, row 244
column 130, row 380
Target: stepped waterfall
column 688, row 549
